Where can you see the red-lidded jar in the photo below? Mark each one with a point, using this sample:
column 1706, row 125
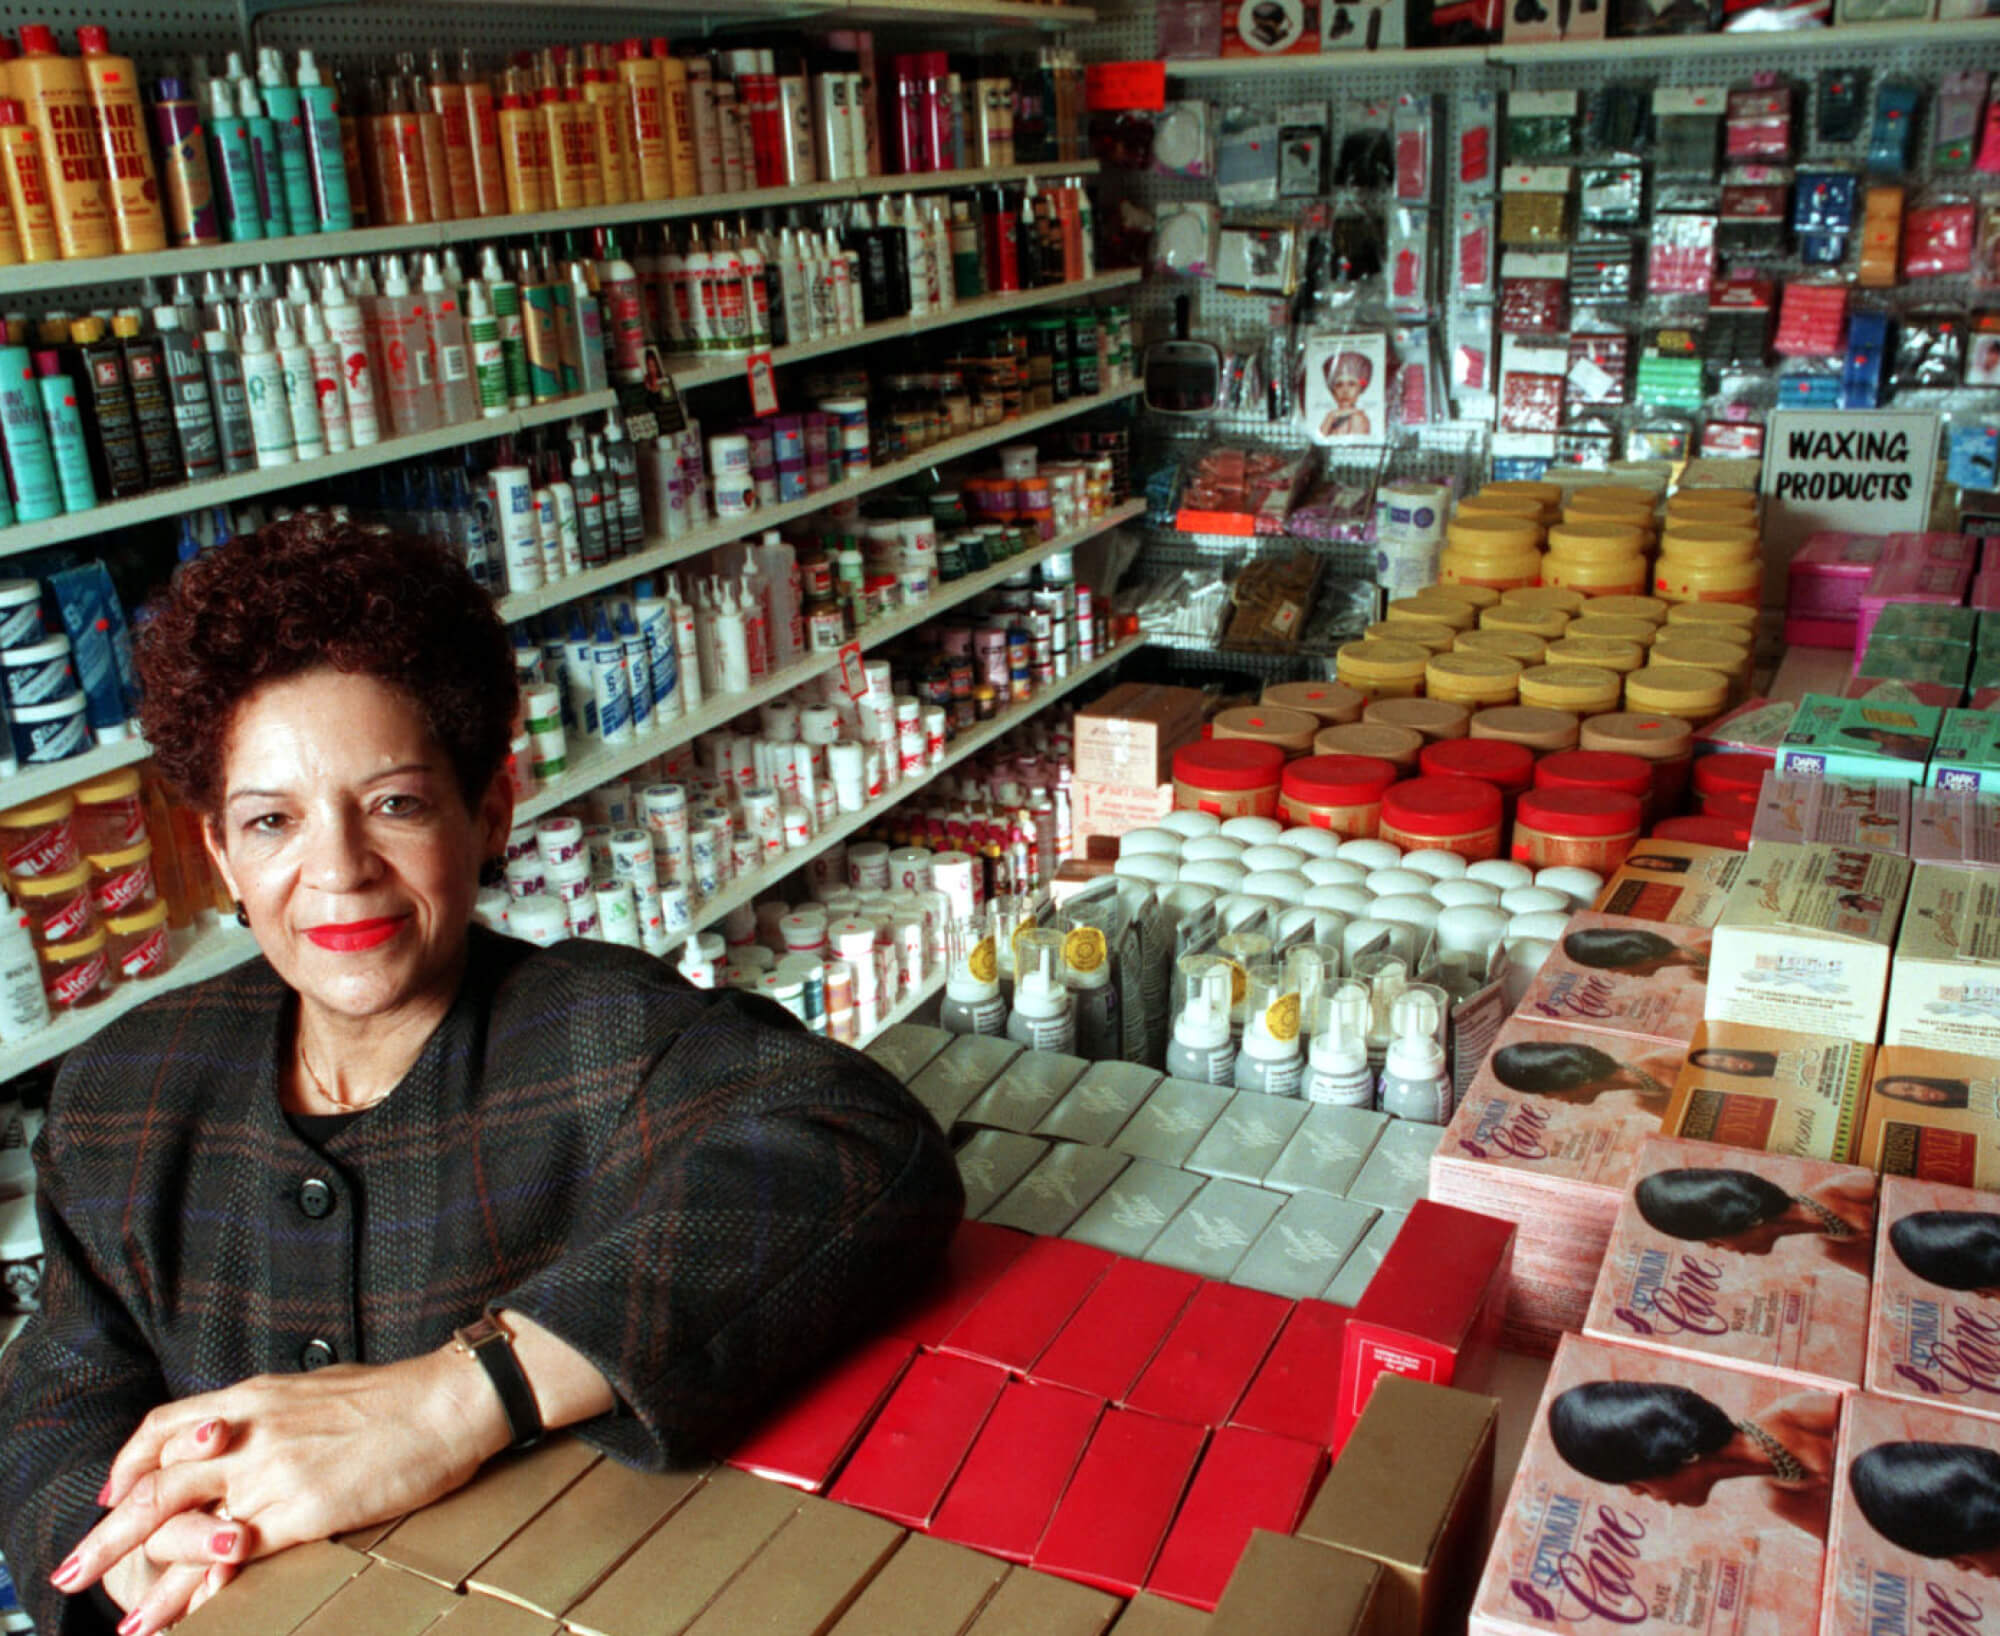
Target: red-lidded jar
column 75, row 975
column 122, row 881
column 39, row 839
column 1508, row 767
column 1230, row 777
column 1731, row 806
column 57, row 906
column 1730, row 774
column 1450, row 814
column 137, row 943
column 1338, row 793
column 1586, row 829
column 1664, row 743
column 1704, row 832
column 1597, row 770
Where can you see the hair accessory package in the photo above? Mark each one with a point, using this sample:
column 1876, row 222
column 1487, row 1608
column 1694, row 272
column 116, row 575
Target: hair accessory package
column 1916, row 1521
column 1934, row 1325
column 1757, row 1258
column 1611, row 975
column 1664, row 1494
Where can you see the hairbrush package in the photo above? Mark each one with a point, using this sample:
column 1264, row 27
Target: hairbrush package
column 1687, row 128
column 1367, row 153
column 1755, row 201
column 1412, row 284
column 1602, row 273
column 1471, row 374
column 1416, row 397
column 1600, row 370
column 1824, row 207
column 1930, row 350
column 1894, row 130
column 1680, row 255
column 1758, row 126
column 1961, row 107
column 1302, row 150
column 1610, row 196
column 1478, row 141
column 1540, row 125
column 1534, row 204
column 1534, row 294
column 1615, row 118
column 1473, row 252
column 1246, row 159
column 1531, row 388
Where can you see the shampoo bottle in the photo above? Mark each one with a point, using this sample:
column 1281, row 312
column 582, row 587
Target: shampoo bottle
column 55, row 92
column 489, row 180
column 323, row 359
column 683, row 161
column 524, row 147
column 489, row 359
column 301, row 385
column 25, row 438
column 1042, row 1018
column 347, row 330
column 1415, row 1085
column 185, row 177
column 192, row 398
column 235, row 166
column 406, row 341
column 286, row 108
column 642, row 105
column 24, row 1004
column 270, row 409
column 458, row 397
column 232, row 403
column 319, row 103
column 1093, row 986
column 27, row 180
column 505, row 295
column 1201, row 1048
column 1270, row 1060
column 265, row 160
column 152, row 399
column 447, row 100
column 64, row 420
column 1338, row 1069
column 106, row 398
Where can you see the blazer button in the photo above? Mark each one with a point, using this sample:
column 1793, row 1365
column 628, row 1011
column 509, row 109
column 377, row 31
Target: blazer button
column 316, row 1354
column 316, row 1198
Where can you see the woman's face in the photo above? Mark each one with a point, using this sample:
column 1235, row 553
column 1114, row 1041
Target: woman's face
column 1912, row 1090
column 345, row 835
column 1727, row 1062
column 1346, row 390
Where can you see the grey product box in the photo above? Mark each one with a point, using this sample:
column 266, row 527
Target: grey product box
column 1136, row 1208
column 1058, row 1190
column 991, row 1163
column 1215, row 1229
column 1249, row 1136
column 1358, row 1270
column 1097, row 1105
column 1172, row 1120
column 1327, row 1152
column 907, row 1047
column 1398, row 1172
column 1308, row 1242
column 959, row 1073
column 1032, row 1083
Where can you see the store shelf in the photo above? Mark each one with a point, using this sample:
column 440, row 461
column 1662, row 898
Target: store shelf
column 746, row 887
column 992, row 13
column 526, row 604
column 206, row 952
column 32, row 783
column 1324, row 62
column 904, row 1009
column 693, row 372
column 48, row 277
column 222, row 491
column 603, row 763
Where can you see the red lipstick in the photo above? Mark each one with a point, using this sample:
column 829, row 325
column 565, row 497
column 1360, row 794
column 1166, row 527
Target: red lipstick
column 352, row 937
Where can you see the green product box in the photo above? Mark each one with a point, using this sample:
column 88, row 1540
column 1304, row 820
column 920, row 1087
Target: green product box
column 1908, row 659
column 1858, row 738
column 1926, row 622
column 1967, row 756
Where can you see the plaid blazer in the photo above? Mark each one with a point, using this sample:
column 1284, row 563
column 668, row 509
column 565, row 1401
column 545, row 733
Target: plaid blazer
column 695, row 1193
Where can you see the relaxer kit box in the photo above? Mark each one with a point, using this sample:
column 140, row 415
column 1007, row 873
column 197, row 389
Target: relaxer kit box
column 1858, row 738
column 1944, row 991
column 1966, row 757
column 1771, row 1091
column 1674, row 883
column 1934, row 1328
column 1804, row 940
column 1934, row 1115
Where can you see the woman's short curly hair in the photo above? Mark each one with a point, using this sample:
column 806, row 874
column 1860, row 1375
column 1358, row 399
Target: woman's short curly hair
column 313, row 590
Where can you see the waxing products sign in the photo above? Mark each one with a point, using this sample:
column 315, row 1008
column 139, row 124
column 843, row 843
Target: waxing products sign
column 1861, row 472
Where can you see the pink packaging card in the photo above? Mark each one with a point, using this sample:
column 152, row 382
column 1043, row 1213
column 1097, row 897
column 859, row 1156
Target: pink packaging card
column 1914, row 1544
column 1829, row 571
column 1664, row 1495
column 1609, row 974
column 1757, row 1258
column 1934, row 1331
column 1907, row 579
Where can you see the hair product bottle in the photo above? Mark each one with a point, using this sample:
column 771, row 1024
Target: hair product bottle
column 505, row 294
column 524, row 147
column 683, row 163
column 601, row 97
column 642, row 99
column 319, row 105
column 489, row 182
column 301, row 386
column 265, row 160
column 185, row 177
column 188, row 391
column 286, row 108
column 1201, row 1048
column 448, row 102
column 64, row 419
column 1042, row 1018
column 55, row 93
column 323, row 358
column 27, row 185
column 264, row 385
column 25, row 437
column 152, row 398
column 436, row 151
column 120, row 462
column 235, row 166
column 458, row 396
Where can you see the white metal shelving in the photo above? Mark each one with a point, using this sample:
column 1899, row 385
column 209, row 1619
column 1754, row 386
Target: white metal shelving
column 222, row 491
column 525, row 604
column 913, row 1001
column 746, row 887
column 603, row 763
column 998, row 14
column 51, row 277
column 32, row 783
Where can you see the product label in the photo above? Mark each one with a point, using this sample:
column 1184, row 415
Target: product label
column 52, row 741
column 115, row 894
column 37, row 852
column 67, row 920
column 984, row 961
column 1084, row 949
column 1281, row 1018
column 78, row 982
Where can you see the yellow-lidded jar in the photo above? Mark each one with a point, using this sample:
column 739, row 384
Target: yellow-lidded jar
column 1547, row 623
column 1614, row 627
column 1329, row 701
column 1488, row 502
column 1629, row 607
column 1475, row 680
column 1566, row 603
column 1680, row 578
column 1707, row 541
column 1696, row 696
column 1583, row 690
column 1598, row 496
column 1714, row 619
column 1539, row 729
column 1589, row 576
column 1487, row 548
column 1731, row 659
column 1605, row 652
column 1426, row 633
column 1543, row 494
column 1478, row 597
column 1430, row 605
column 1597, row 540
column 1382, row 670
column 1433, row 719
column 1524, row 647
column 1712, row 505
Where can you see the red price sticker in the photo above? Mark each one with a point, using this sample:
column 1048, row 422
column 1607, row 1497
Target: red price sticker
column 763, row 384
column 1123, row 87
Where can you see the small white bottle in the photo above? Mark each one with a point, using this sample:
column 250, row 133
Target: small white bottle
column 24, row 1005
column 731, row 634
column 270, row 409
column 696, row 965
column 347, row 329
column 327, row 392
column 457, row 391
column 687, row 646
column 1201, row 1049
column 1338, row 1069
column 1270, row 1059
column 1414, row 1084
column 301, row 386
column 972, row 1003
column 1042, row 1018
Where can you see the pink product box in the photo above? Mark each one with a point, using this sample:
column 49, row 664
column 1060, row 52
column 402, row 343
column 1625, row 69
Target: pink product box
column 1820, row 631
column 1611, row 975
column 1829, row 573
column 1756, row 1259
column 1934, row 548
column 1934, row 1329
column 1985, row 590
column 1908, row 579
column 1660, row 1494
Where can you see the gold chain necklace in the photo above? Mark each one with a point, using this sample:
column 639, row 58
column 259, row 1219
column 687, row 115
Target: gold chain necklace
column 327, row 1098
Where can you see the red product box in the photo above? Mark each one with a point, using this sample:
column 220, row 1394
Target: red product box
column 978, row 1255
column 1248, row 1480
column 1109, row 1526
column 1208, row 1359
column 919, row 1440
column 1117, row 1329
column 1433, row 1309
column 1297, row 1392
column 806, row 1437
column 1025, row 1310
column 1007, row 1490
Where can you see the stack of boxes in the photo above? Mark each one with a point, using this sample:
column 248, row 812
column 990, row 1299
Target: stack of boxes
column 1124, row 753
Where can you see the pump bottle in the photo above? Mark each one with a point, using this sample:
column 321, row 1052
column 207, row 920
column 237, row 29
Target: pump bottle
column 1414, row 1084
column 1093, row 993
column 1270, row 1060
column 1338, row 1070
column 1042, row 1018
column 1201, row 1048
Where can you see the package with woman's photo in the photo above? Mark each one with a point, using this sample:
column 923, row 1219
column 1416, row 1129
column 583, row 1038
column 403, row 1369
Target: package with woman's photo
column 1934, row 1327
column 1608, row 974
column 1934, row 1114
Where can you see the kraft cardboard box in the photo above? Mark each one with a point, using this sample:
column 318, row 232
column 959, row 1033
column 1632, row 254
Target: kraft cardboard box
column 1032, row 1604
column 381, row 1601
column 1944, row 985
column 1804, row 940
column 1208, row 1359
column 928, row 1588
column 913, row 1448
column 1297, row 1587
column 803, row 1439
column 1677, row 883
column 1934, row 1115
column 278, row 1593
column 482, row 1616
column 1149, row 1615
column 1935, row 1311
column 1017, row 1468
column 1412, row 1490
column 1109, row 1526
column 1858, row 738
column 445, row 1542
column 1873, row 814
column 1296, row 1390
column 1127, row 739
column 1434, row 1309
column 806, row 1577
column 1247, row 1480
column 1766, row 1089
column 1107, row 1344
column 1101, row 815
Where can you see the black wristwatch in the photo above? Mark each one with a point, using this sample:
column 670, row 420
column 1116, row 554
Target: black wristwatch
column 494, row 1348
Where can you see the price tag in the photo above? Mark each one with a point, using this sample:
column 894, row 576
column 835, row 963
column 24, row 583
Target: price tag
column 1119, row 87
column 763, row 384
column 853, row 679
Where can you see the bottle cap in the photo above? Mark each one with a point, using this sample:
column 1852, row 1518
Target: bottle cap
column 38, row 40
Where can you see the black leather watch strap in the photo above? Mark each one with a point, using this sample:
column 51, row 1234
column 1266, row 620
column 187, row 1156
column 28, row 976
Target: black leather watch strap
column 494, row 1348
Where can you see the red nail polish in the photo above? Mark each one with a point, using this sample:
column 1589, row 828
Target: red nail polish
column 64, row 1574
column 128, row 1624
column 104, row 1493
column 206, row 1430
column 223, row 1543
